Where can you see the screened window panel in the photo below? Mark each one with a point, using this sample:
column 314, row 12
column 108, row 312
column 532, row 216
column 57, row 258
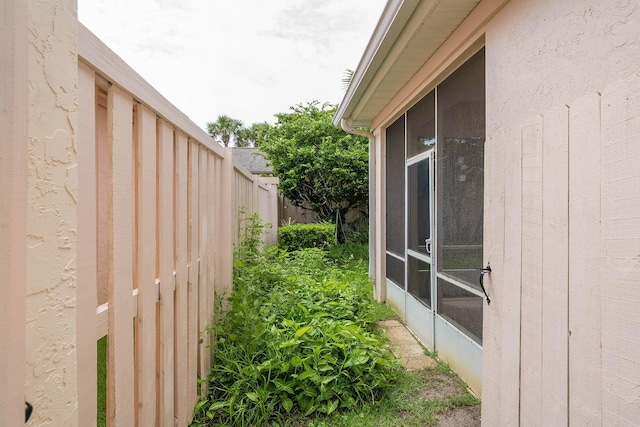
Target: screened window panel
column 421, row 126
column 395, row 270
column 460, row 180
column 461, row 307
column 395, row 166
column 420, row 280
column 419, row 206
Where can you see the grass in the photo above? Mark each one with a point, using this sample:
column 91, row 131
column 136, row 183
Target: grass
column 102, row 382
column 404, row 404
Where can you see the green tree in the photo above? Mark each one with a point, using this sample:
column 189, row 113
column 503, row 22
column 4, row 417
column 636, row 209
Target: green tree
column 320, row 166
column 224, row 128
column 251, row 136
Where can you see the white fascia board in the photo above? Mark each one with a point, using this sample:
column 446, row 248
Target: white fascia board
column 394, row 17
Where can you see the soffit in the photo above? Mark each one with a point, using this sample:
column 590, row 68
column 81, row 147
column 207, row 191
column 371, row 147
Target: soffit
column 407, row 35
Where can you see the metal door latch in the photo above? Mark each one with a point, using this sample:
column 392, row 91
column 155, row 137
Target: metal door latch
column 483, row 271
column 27, row 411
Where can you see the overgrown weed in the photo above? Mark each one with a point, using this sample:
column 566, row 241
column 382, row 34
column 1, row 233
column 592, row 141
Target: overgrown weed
column 298, row 340
column 299, row 347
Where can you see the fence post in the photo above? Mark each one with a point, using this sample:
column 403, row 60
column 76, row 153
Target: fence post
column 13, row 209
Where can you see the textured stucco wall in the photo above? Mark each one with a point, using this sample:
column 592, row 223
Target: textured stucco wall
column 543, row 53
column 52, row 218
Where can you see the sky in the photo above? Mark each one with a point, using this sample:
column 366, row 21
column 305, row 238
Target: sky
column 248, row 59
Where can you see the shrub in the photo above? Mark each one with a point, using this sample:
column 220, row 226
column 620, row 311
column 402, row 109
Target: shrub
column 298, row 339
column 301, row 236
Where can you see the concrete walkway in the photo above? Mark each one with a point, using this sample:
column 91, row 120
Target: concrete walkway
column 405, row 346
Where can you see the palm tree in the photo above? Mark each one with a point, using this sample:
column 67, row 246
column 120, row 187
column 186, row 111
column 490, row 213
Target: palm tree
column 346, row 78
column 224, row 127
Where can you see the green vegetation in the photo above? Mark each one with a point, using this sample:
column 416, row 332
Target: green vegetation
column 225, row 128
column 299, row 340
column 411, row 402
column 319, row 165
column 102, row 382
column 299, row 236
column 299, row 347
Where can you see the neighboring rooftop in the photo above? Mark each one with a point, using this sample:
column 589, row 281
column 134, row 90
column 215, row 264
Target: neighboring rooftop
column 253, row 159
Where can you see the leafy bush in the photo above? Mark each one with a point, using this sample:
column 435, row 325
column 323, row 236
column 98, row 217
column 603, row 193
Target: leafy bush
column 298, row 340
column 301, row 236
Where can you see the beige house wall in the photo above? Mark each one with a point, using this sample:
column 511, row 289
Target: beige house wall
column 562, row 196
column 563, row 115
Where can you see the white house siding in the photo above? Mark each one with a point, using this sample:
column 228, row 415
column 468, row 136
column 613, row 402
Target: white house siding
column 562, row 207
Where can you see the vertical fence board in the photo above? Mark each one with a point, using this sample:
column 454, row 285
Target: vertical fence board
column 493, row 241
column 620, row 249
column 103, row 178
column 166, row 267
column 146, row 266
column 555, row 261
column 227, row 215
column 203, row 280
column 181, row 190
column 211, row 243
column 531, row 300
column 13, row 208
column 120, row 372
column 585, row 364
column 194, row 271
column 87, row 297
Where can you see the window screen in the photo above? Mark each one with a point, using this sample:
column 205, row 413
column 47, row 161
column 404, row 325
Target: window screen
column 421, row 126
column 420, row 280
column 419, row 206
column 460, row 171
column 395, row 270
column 395, row 187
column 461, row 307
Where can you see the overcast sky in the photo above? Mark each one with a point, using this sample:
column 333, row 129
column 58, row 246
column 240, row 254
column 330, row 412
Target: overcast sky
column 248, row 59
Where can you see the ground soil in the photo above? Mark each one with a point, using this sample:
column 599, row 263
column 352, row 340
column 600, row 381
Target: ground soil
column 441, row 384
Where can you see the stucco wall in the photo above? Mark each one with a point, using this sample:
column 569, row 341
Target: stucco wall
column 52, row 217
column 544, row 53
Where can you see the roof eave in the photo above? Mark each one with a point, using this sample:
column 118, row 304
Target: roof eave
column 406, row 30
column 393, row 19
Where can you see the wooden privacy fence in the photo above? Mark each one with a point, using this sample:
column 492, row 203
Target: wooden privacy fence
column 167, row 199
column 148, row 204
